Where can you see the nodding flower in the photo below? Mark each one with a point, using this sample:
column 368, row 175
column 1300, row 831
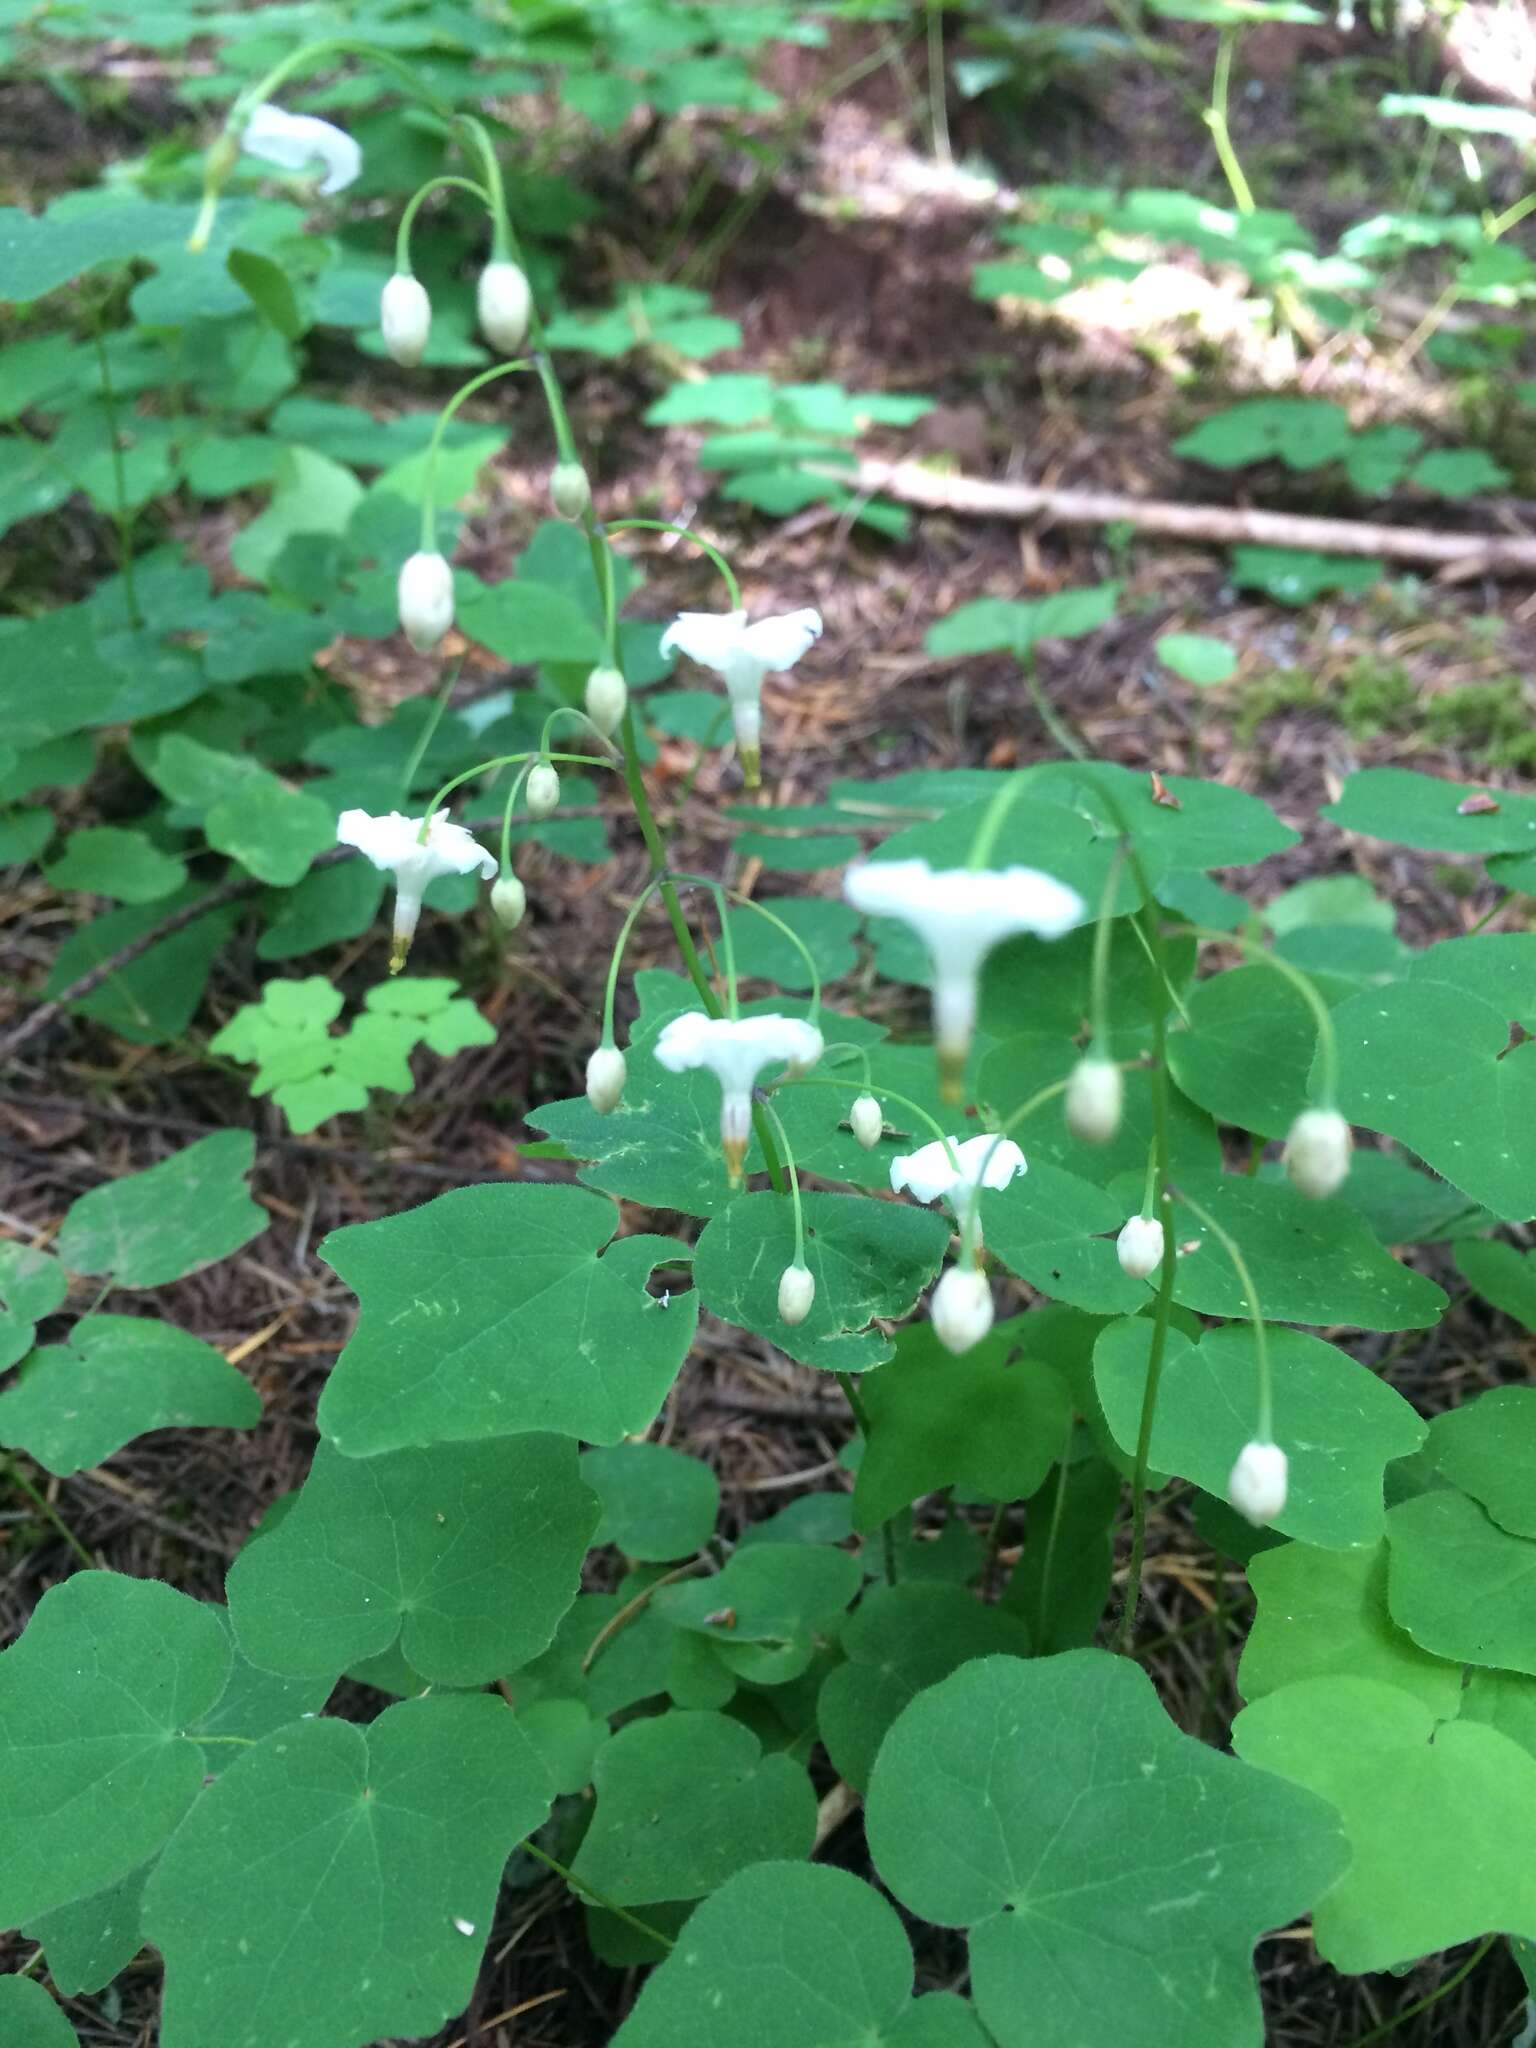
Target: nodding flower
column 1257, row 1483
column 424, row 597
column 1317, row 1153
column 405, row 317
column 743, row 654
column 395, row 843
column 295, row 141
column 961, row 1309
column 960, row 914
column 931, row 1175
column 735, row 1050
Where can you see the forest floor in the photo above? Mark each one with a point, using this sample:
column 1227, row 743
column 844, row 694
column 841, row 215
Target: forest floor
column 855, row 266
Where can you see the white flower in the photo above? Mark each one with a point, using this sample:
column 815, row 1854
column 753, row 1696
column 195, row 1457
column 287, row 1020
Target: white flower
column 797, row 1290
column 1095, row 1095
column 504, row 304
column 569, row 491
column 424, row 596
column 607, row 1072
column 542, row 790
column 1317, row 1152
column 405, row 315
column 931, row 1175
column 736, row 1049
column 960, row 915
column 1140, row 1246
column 1256, row 1486
column 395, row 843
column 961, row 1309
column 743, row 655
column 295, row 141
column 866, row 1119
column 605, row 699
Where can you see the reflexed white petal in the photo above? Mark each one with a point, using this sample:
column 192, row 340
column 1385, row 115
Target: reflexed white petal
column 394, row 842
column 931, row 1175
column 296, row 141
column 736, row 1049
column 779, row 642
column 710, row 638
column 961, row 913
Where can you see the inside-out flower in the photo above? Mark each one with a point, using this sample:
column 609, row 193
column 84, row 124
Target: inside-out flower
column 931, row 1175
column 395, row 844
column 736, row 1049
column 960, row 914
column 743, row 655
column 296, row 141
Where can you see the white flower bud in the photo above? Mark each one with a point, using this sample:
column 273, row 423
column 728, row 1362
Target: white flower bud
column 569, row 491
column 797, row 1290
column 542, row 790
column 961, row 1308
column 1256, row 1486
column 1140, row 1247
column 1317, row 1153
column 1095, row 1093
column 405, row 315
column 606, row 698
column 504, row 302
column 509, row 900
column 425, row 597
column 867, row 1119
column 606, row 1074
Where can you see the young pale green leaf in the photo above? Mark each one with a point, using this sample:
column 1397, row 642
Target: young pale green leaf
column 1312, row 1262
column 1323, row 1614
column 31, row 2018
column 32, row 1285
column 467, row 1555
column 495, row 1310
column 1070, row 1816
column 1459, row 1584
column 1438, row 1817
column 992, row 1420
column 1338, row 1424
column 1197, row 657
column 1500, row 1274
column 1410, row 809
column 337, row 1884
column 1017, row 625
column 684, row 1801
column 869, row 1259
column 96, row 1703
column 900, row 1640
column 1488, row 1449
column 114, row 1378
column 171, row 1220
column 657, row 1504
column 784, row 1955
column 1297, row 575
column 127, row 866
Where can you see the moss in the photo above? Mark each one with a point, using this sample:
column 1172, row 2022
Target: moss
column 1490, row 723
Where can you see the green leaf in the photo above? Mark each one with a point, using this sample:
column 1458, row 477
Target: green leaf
column 1459, row 472
column 1312, row 1262
column 1208, row 826
column 1499, row 1273
column 1459, row 1584
column 1247, row 1054
column 96, row 1700
column 114, row 1378
column 869, row 1259
column 153, row 998
column 467, row 1555
column 1062, row 1581
column 324, row 908
column 1488, row 1449
column 360, row 1857
column 1297, row 575
column 1426, row 811
column 32, row 1285
column 1069, row 1817
column 784, row 1955
column 1051, row 1229
column 152, row 1227
column 764, row 1610
column 312, row 495
column 991, row 1421
column 126, row 866
column 1017, row 625
column 684, row 1801
column 267, row 285
column 630, row 1663
column 728, row 399
column 1197, row 657
column 900, row 1640
column 1415, row 1797
column 490, row 1311
column 1323, row 1614
column 657, row 1504
column 1403, row 1205
column 528, row 622
column 825, row 929
column 1303, row 433
column 1025, row 1065
column 30, row 2018
column 1338, row 1423
column 90, row 1940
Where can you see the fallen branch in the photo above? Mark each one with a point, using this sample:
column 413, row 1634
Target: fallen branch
column 1466, row 554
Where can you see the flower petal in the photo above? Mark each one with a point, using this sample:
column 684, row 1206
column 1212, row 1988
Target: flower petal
column 295, row 141
column 779, row 642
column 710, row 638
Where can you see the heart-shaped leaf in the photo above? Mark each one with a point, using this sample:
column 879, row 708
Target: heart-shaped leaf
column 156, row 1226
column 30, row 2018
column 1459, row 1584
column 658, row 1504
column 1488, row 1449
column 32, row 1285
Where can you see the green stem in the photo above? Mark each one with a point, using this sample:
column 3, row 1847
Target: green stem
column 794, row 1179
column 50, row 1515
column 625, row 929
column 733, row 588
column 1305, row 987
column 122, row 517
column 1265, row 1432
column 1098, row 995
column 571, row 711
column 503, row 242
column 1435, row 317
column 938, row 111
column 992, row 819
column 728, row 956
column 428, row 731
column 506, row 815
column 587, row 1891
column 1216, row 121
column 434, row 446
column 1411, row 2012
column 794, row 938
column 331, row 46
column 855, row 1401
column 413, row 206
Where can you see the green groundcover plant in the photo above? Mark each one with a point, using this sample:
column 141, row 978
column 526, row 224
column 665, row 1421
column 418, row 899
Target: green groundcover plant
column 1116, row 1040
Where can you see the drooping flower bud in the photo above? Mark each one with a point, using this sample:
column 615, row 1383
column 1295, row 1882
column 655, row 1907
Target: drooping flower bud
column 503, row 303
column 1140, row 1247
column 405, row 315
column 797, row 1290
column 425, row 597
column 867, row 1120
column 1317, row 1153
column 569, row 491
column 1095, row 1094
column 509, row 900
column 1256, row 1486
column 607, row 695
column 961, row 1309
column 606, row 1075
column 542, row 790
